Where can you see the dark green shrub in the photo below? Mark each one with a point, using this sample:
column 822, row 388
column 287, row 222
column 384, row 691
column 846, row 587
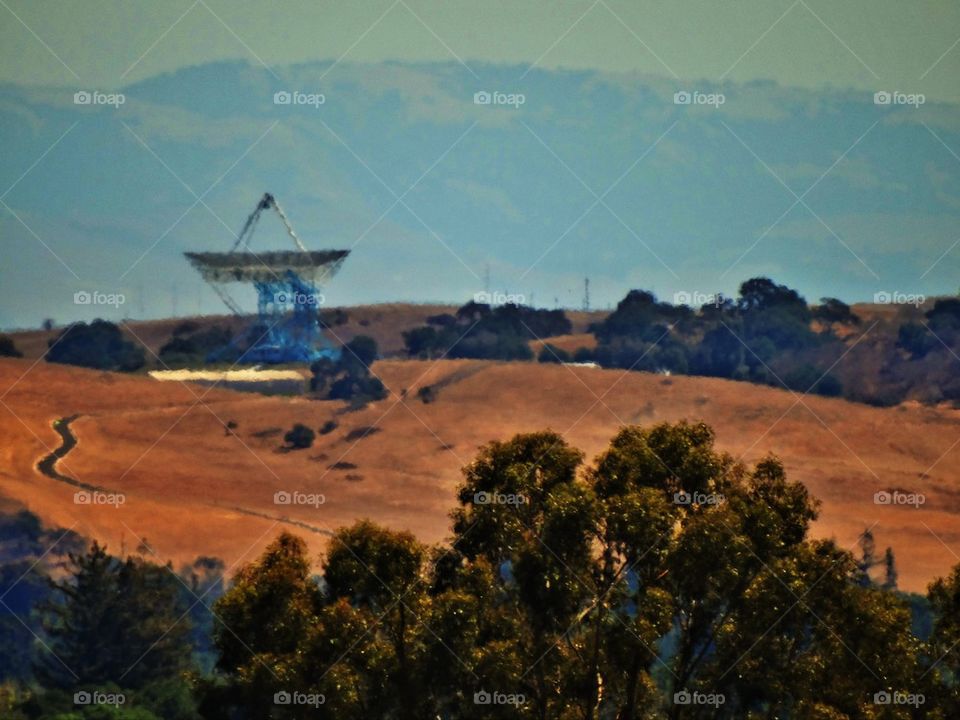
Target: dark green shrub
column 99, row 345
column 551, row 354
column 299, row 437
column 7, row 348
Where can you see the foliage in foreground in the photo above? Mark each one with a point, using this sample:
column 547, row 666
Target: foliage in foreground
column 114, row 639
column 663, row 572
column 663, row 580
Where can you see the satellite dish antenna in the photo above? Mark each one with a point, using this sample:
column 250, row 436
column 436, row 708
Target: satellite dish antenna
column 288, row 286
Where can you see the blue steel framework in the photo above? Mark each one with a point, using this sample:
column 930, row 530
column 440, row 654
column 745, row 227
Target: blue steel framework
column 288, row 285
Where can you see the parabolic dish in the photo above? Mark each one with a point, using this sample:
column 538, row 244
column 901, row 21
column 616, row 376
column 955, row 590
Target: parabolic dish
column 316, row 267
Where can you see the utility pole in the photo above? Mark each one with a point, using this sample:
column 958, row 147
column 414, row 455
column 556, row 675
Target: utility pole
column 586, row 294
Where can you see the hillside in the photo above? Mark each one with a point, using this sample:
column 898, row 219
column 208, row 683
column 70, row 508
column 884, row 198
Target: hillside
column 385, row 323
column 192, row 488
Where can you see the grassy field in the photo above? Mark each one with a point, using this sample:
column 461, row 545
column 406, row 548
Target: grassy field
column 192, row 488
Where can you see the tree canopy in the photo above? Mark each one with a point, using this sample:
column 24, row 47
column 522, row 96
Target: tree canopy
column 663, row 580
column 479, row 330
column 99, row 345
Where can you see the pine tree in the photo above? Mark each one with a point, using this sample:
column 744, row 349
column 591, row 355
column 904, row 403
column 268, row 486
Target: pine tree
column 868, row 558
column 113, row 622
column 889, row 570
column 79, row 623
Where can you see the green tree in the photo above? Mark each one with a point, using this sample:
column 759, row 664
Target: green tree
column 806, row 379
column 526, row 514
column 358, row 355
column 299, row 437
column 99, row 345
column 889, row 570
column 761, row 293
column 944, row 659
column 80, row 624
column 7, row 348
column 421, row 342
column 551, row 354
column 264, row 617
column 379, row 572
column 349, row 377
column 831, row 310
column 595, row 593
column 720, row 354
column 113, row 621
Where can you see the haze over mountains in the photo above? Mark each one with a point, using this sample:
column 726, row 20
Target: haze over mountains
column 685, row 191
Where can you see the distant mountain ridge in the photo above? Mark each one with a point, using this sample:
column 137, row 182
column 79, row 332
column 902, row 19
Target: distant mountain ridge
column 594, row 174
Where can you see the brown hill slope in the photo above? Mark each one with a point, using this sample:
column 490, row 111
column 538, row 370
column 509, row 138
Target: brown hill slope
column 385, row 323
column 192, row 488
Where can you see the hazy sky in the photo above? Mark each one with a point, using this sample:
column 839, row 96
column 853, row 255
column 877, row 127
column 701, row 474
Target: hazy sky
column 86, row 192
column 879, row 44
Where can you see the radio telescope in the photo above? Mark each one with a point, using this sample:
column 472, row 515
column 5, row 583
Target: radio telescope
column 288, row 286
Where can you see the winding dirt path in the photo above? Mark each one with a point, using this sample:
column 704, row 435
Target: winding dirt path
column 48, row 464
column 68, row 441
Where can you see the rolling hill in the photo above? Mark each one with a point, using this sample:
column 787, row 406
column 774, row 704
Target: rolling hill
column 193, row 488
column 384, row 322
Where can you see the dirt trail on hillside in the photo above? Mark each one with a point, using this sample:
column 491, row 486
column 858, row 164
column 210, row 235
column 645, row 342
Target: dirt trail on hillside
column 48, row 464
column 195, row 490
